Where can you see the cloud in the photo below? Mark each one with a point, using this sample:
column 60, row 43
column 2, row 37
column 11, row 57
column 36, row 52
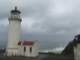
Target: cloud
column 52, row 21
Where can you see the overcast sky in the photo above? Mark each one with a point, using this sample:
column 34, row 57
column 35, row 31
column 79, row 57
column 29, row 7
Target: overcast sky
column 53, row 22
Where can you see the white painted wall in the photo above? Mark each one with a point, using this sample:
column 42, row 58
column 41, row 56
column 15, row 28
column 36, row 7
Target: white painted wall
column 77, row 52
column 12, row 52
column 34, row 53
column 14, row 33
column 35, row 48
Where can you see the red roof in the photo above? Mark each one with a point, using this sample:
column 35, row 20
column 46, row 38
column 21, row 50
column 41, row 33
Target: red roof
column 25, row 43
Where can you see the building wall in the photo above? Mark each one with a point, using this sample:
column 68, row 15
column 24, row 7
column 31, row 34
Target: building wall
column 13, row 35
column 27, row 53
column 35, row 49
column 12, row 52
column 77, row 52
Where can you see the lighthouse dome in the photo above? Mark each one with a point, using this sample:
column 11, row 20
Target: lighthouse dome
column 15, row 11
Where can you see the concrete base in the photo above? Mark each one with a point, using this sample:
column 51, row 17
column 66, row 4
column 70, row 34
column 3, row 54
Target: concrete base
column 12, row 52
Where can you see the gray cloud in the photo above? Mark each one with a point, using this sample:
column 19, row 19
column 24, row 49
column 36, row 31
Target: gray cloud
column 52, row 21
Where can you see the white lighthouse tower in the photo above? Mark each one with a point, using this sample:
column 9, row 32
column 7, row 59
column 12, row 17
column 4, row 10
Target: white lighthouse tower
column 14, row 32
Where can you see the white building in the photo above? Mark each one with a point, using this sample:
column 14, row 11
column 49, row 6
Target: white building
column 77, row 48
column 25, row 48
column 28, row 48
column 77, row 52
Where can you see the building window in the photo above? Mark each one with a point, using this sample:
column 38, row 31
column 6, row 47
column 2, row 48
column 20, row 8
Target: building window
column 24, row 49
column 30, row 49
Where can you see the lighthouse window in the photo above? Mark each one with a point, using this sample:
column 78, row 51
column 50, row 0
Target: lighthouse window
column 24, row 49
column 30, row 49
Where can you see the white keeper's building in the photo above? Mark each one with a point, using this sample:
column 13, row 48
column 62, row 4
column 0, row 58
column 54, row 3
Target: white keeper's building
column 77, row 48
column 16, row 47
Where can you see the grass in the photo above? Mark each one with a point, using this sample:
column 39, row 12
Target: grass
column 49, row 56
column 58, row 57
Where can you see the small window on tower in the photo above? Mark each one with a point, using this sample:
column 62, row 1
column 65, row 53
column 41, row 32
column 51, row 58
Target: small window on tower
column 30, row 49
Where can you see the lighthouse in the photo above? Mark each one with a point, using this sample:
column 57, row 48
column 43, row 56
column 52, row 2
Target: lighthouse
column 13, row 32
column 16, row 46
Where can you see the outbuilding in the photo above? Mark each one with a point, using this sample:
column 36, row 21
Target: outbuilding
column 28, row 48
